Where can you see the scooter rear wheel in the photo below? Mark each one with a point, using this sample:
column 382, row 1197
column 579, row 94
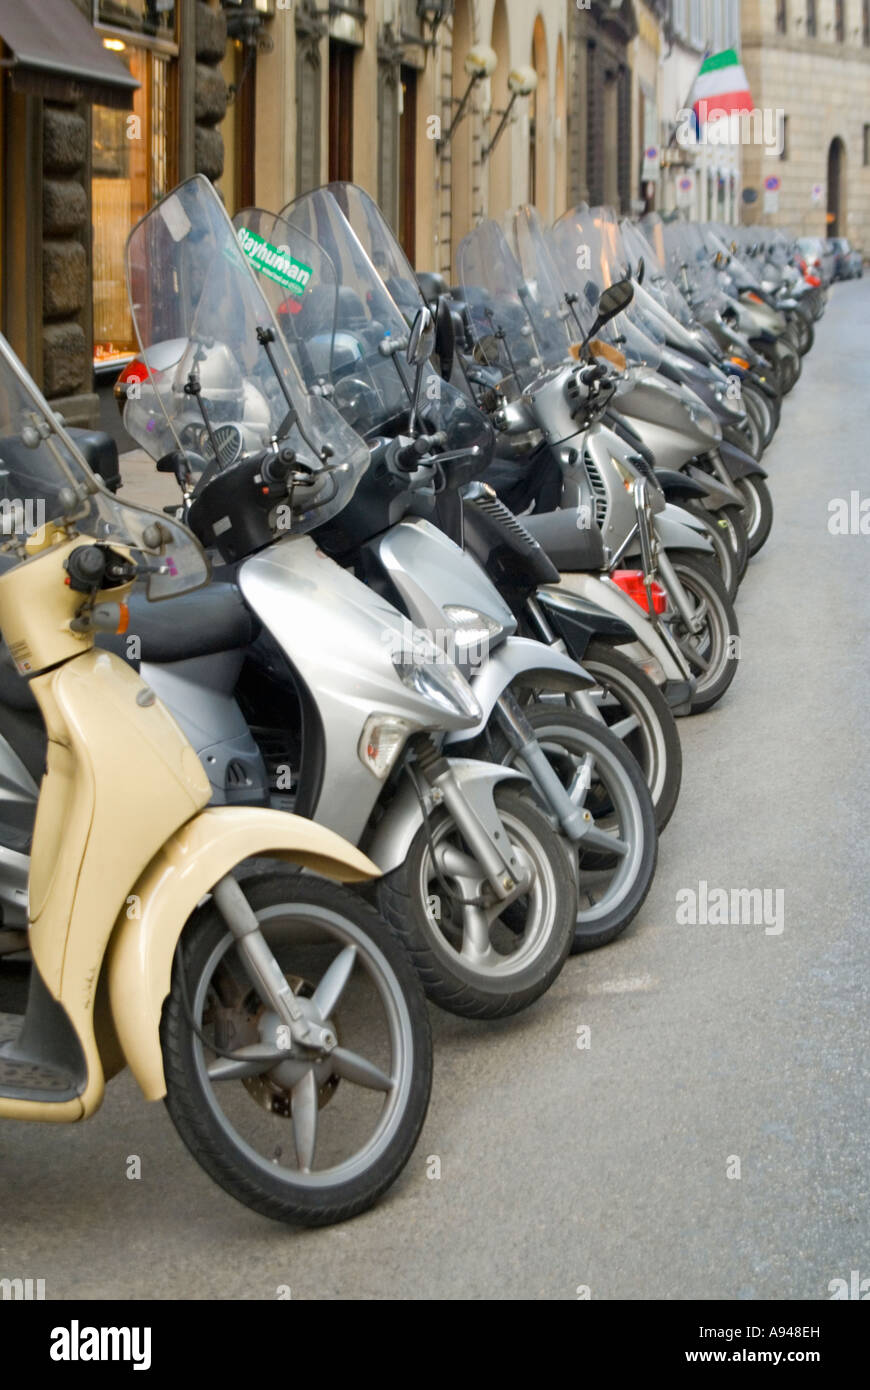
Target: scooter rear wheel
column 320, row 1136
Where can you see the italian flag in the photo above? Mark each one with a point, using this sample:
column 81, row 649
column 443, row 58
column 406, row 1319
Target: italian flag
column 720, row 86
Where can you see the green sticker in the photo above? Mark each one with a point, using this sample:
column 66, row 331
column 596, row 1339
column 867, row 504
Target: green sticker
column 275, row 262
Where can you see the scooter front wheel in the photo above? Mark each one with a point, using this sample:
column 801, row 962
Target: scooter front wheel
column 713, row 649
column 477, row 957
column 318, row 1136
column 758, row 512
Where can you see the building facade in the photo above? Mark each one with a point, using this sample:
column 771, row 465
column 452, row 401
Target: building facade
column 810, row 60
column 447, row 111
column 703, row 181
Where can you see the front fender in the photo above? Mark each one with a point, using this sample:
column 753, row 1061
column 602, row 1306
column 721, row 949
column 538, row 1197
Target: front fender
column 525, row 662
column 391, row 843
column 677, row 529
column 139, row 960
column 739, row 463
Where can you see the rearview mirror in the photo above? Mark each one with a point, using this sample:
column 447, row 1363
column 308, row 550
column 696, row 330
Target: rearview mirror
column 445, row 338
column 613, row 300
column 641, row 270
column 421, row 344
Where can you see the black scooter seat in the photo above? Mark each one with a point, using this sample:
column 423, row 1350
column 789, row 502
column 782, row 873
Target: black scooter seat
column 202, row 623
column 567, row 539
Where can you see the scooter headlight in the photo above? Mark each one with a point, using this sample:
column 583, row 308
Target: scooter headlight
column 706, row 421
column 440, row 684
column 471, row 630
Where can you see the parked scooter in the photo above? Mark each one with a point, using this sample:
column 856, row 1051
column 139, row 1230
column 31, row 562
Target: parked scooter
column 530, row 386
column 420, row 435
column 158, row 940
column 487, row 899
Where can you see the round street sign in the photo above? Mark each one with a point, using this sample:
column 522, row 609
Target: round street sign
column 772, row 183
column 652, row 153
column 685, row 184
column 749, row 195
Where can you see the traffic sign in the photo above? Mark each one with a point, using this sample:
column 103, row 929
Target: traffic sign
column 772, row 184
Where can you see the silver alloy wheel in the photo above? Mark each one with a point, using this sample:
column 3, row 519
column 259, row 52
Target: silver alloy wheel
column 303, row 1085
column 618, row 833
column 706, row 651
column 639, row 729
column 488, row 939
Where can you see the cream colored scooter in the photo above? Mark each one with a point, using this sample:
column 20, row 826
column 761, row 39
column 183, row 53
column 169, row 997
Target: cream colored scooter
column 271, row 1008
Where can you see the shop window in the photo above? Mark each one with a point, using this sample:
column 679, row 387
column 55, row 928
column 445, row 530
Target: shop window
column 130, row 172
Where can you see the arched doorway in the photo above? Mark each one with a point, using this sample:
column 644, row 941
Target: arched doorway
column 560, row 157
column 539, row 124
column 461, row 150
column 501, row 158
column 836, row 188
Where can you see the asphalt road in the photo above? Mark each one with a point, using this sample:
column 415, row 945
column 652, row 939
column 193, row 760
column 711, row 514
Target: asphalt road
column 606, row 1167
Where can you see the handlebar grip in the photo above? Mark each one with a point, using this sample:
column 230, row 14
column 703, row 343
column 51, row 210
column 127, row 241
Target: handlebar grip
column 278, row 468
column 408, row 457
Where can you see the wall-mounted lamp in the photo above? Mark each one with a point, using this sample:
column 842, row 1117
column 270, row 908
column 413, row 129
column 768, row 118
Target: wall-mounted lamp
column 246, row 19
column 434, row 12
column 481, row 62
column 521, row 83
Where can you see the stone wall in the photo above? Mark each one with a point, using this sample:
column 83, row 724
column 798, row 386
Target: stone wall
column 66, row 286
column 210, row 92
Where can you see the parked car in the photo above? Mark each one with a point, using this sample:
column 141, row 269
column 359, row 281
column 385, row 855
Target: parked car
column 848, row 264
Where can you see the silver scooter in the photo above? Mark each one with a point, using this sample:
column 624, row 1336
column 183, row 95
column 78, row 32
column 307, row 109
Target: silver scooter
column 488, row 894
column 520, row 332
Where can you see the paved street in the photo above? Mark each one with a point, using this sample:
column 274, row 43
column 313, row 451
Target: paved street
column 605, row 1167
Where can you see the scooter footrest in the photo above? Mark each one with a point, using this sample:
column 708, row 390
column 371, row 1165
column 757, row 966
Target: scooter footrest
column 24, row 1079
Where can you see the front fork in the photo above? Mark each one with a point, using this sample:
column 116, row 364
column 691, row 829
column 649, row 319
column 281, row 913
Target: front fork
column 566, row 803
column 264, row 970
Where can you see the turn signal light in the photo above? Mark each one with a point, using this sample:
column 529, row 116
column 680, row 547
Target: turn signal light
column 631, row 583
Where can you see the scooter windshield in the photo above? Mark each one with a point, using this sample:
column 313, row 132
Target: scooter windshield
column 691, row 266
column 655, row 279
column 222, row 384
column 588, row 249
column 45, row 481
column 553, row 321
column 514, row 329
column 367, row 330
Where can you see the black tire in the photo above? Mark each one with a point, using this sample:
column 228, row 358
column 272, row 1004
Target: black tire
column 727, row 533
column 699, row 574
column 335, row 918
column 620, row 791
column 758, row 511
column 766, row 410
column 806, row 333
column 657, row 751
column 430, row 936
column 790, row 362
